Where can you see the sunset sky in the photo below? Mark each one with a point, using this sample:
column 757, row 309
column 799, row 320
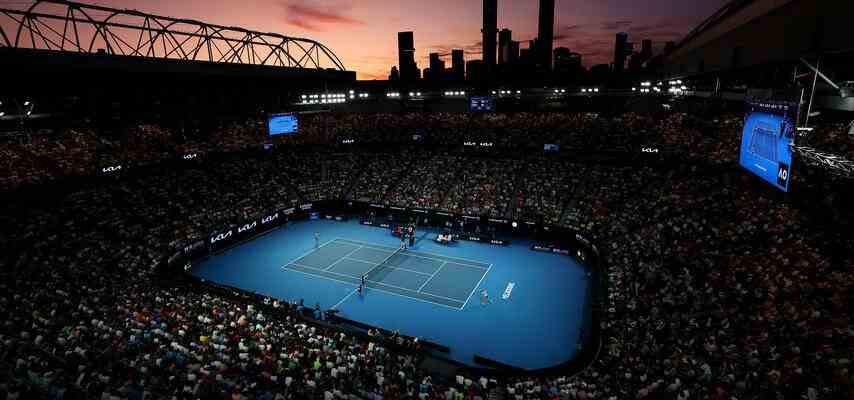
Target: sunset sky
column 363, row 32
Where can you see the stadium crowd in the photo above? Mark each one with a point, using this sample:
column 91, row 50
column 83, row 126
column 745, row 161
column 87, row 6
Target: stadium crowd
column 717, row 289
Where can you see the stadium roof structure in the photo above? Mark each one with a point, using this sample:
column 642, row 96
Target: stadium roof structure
column 747, row 33
column 58, row 28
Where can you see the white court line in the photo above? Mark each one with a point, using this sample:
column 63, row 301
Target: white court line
column 311, row 251
column 335, row 307
column 387, row 266
column 434, row 274
column 368, row 245
column 373, row 288
column 339, row 260
column 378, row 283
column 477, row 286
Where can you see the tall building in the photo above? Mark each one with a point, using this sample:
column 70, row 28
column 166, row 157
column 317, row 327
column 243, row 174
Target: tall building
column 406, row 57
column 458, row 64
column 490, row 30
column 621, row 48
column 646, row 49
column 475, row 71
column 545, row 36
column 562, row 57
column 505, row 38
column 514, row 51
column 437, row 68
column 567, row 66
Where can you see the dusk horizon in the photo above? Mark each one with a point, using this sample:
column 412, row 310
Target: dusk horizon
column 364, row 34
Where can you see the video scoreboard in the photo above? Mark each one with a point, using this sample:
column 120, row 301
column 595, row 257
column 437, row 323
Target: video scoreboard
column 282, row 124
column 766, row 140
column 481, row 104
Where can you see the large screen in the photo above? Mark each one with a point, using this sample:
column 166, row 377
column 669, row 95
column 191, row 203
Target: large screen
column 282, row 124
column 769, row 131
column 481, row 104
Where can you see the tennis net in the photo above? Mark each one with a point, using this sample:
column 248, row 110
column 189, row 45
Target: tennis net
column 377, row 270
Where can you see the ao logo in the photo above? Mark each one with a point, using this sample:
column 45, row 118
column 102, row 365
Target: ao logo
column 269, row 218
column 112, row 168
column 221, row 236
column 247, row 227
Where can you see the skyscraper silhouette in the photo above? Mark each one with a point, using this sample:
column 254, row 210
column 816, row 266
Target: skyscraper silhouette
column 406, row 56
column 437, row 68
column 490, row 30
column 458, row 64
column 505, row 37
column 545, row 36
column 620, row 52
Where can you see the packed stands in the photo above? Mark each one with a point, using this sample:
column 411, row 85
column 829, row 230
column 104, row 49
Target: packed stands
column 716, row 288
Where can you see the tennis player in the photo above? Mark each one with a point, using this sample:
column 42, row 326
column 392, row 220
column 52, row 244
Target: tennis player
column 316, row 240
column 403, row 240
column 484, row 297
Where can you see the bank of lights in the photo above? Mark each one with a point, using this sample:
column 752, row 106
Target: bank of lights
column 456, row 93
column 560, row 90
column 324, row 98
column 393, row 94
column 589, row 90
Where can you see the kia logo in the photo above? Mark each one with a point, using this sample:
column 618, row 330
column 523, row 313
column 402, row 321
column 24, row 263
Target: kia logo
column 112, row 169
column 247, row 227
column 221, row 236
column 269, row 218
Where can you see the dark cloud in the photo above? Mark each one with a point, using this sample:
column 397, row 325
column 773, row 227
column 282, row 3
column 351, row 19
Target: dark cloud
column 614, row 25
column 310, row 17
column 444, row 50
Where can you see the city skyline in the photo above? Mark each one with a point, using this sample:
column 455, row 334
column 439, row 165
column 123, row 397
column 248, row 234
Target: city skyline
column 364, row 33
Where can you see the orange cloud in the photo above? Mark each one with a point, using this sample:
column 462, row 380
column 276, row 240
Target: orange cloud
column 311, row 18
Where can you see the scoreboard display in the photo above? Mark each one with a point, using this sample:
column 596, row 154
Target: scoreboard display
column 769, row 132
column 482, row 104
column 282, row 124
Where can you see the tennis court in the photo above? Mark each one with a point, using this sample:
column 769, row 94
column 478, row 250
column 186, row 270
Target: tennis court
column 421, row 276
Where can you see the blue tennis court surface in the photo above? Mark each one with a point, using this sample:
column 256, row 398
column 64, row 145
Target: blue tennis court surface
column 430, row 291
column 432, row 278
